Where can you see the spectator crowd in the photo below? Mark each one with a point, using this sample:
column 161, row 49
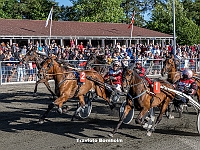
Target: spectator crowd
column 152, row 56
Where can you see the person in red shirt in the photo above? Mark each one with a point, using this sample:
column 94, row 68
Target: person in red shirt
column 141, row 71
column 72, row 43
column 186, row 85
column 114, row 76
column 80, row 47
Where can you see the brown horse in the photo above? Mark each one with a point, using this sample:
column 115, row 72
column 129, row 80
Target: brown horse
column 98, row 63
column 33, row 55
column 170, row 67
column 68, row 85
column 139, row 97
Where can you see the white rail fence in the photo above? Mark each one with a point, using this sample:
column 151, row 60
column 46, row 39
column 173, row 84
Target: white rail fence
column 11, row 72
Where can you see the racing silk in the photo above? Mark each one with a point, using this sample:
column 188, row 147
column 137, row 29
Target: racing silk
column 184, row 84
column 82, row 64
column 142, row 74
column 116, row 74
column 141, row 71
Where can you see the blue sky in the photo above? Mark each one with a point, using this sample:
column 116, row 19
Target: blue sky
column 64, row 2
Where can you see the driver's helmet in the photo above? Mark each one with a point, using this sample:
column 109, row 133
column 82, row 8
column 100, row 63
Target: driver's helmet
column 116, row 63
column 187, row 74
column 139, row 62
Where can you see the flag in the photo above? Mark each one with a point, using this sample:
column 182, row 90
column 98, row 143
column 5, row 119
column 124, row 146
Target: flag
column 132, row 20
column 49, row 17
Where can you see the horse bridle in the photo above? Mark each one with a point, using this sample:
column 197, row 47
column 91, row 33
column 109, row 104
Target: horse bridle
column 45, row 70
column 128, row 82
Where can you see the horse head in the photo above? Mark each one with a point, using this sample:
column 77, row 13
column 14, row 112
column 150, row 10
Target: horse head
column 34, row 55
column 31, row 55
column 47, row 67
column 171, row 67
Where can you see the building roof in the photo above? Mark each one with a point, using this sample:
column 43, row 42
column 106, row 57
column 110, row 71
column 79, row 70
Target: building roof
column 36, row 28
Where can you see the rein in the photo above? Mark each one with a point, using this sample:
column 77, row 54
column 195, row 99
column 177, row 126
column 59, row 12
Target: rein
column 132, row 98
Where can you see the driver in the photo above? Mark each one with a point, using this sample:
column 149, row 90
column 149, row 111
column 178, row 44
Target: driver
column 115, row 77
column 186, row 85
column 141, row 71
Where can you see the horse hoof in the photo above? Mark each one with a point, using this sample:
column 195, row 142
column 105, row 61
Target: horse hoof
column 34, row 94
column 149, row 133
column 110, row 135
column 59, row 110
column 171, row 117
column 137, row 121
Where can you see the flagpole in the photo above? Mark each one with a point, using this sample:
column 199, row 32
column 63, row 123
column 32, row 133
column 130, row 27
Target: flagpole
column 50, row 31
column 50, row 26
column 131, row 34
column 132, row 22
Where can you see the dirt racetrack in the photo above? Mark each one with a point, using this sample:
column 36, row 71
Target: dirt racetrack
column 19, row 130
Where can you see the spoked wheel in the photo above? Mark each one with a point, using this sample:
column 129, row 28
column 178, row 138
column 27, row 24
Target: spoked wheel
column 86, row 110
column 198, row 122
column 130, row 115
column 150, row 118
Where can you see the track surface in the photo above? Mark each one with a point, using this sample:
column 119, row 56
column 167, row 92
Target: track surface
column 19, row 130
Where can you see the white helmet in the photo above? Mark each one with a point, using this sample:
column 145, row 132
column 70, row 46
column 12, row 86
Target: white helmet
column 187, row 73
column 116, row 63
column 138, row 62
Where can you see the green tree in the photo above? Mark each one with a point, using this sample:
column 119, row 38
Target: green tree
column 162, row 21
column 98, row 11
column 38, row 9
column 28, row 9
column 10, row 9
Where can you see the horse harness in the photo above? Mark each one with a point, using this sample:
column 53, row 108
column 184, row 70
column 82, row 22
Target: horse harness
column 64, row 76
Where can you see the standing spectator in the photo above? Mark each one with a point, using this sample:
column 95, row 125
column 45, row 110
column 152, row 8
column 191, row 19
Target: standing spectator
column 80, row 47
column 72, row 43
column 2, row 58
column 157, row 65
column 9, row 67
column 24, row 50
column 192, row 62
column 16, row 53
column 30, row 71
column 20, row 71
column 46, row 49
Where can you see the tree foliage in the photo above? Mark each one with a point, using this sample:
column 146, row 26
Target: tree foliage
column 187, row 31
column 27, row 9
column 98, row 11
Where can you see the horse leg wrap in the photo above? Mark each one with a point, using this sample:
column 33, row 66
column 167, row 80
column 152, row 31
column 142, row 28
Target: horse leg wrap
column 138, row 121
